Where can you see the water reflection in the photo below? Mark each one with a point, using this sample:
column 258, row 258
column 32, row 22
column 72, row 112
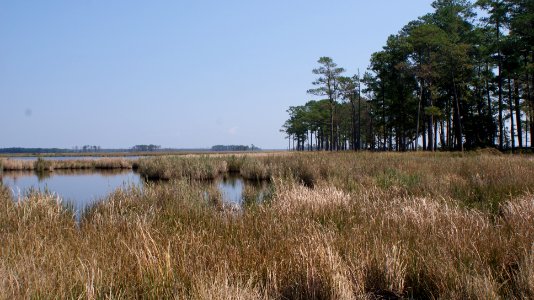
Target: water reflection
column 236, row 190
column 81, row 188
column 78, row 188
column 231, row 189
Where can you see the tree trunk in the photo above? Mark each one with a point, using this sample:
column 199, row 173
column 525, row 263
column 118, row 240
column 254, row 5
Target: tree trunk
column 424, row 132
column 289, row 142
column 442, row 136
column 499, row 58
column 435, row 137
column 430, row 123
column 518, row 114
column 510, row 104
column 458, row 120
column 354, row 129
column 332, row 142
column 310, row 143
column 391, row 139
column 359, row 137
column 490, row 106
column 449, row 123
column 340, row 138
column 418, row 116
column 531, row 102
column 372, row 135
column 384, row 127
column 527, row 122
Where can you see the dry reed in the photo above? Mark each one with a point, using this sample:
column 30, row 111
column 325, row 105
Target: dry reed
column 51, row 165
column 366, row 230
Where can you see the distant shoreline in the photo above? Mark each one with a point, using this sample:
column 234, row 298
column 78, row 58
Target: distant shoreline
column 127, row 154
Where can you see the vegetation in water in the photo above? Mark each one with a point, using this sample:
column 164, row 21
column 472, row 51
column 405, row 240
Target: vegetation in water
column 175, row 167
column 41, row 164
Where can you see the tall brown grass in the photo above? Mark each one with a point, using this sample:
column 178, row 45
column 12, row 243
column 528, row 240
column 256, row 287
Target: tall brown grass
column 16, row 165
column 476, row 179
column 381, row 236
column 176, row 167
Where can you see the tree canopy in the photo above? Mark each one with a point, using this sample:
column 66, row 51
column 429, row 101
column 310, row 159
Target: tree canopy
column 447, row 81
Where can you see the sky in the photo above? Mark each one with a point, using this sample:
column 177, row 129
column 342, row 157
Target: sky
column 180, row 74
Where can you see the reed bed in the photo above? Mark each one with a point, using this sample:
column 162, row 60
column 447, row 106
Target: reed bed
column 176, row 167
column 381, row 237
column 43, row 165
column 17, row 165
column 477, row 179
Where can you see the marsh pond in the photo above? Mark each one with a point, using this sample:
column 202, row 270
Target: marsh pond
column 82, row 188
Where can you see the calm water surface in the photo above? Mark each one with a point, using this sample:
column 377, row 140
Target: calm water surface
column 82, row 188
column 79, row 188
column 233, row 189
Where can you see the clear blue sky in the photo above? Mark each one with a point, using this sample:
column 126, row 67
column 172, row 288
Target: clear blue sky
column 182, row 74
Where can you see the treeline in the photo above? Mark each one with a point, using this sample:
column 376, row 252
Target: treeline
column 234, row 148
column 75, row 149
column 145, row 148
column 449, row 80
column 19, row 150
column 87, row 148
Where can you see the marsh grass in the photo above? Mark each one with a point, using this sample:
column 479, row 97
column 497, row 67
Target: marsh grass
column 478, row 179
column 176, row 167
column 17, row 165
column 235, row 163
column 362, row 232
column 44, row 165
column 256, row 193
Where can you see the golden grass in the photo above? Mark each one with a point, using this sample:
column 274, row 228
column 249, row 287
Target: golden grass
column 51, row 165
column 384, row 235
column 475, row 179
column 176, row 167
column 18, row 165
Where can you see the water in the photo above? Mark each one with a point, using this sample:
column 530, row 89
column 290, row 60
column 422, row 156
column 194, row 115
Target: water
column 83, row 188
column 78, row 188
column 237, row 191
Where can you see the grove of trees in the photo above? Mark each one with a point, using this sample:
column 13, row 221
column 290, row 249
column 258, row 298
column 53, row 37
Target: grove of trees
column 220, row 148
column 461, row 77
column 145, row 148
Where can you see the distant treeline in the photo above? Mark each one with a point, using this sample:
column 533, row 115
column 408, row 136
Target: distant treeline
column 76, row 149
column 145, row 148
column 33, row 150
column 234, row 148
column 87, row 148
column 137, row 148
